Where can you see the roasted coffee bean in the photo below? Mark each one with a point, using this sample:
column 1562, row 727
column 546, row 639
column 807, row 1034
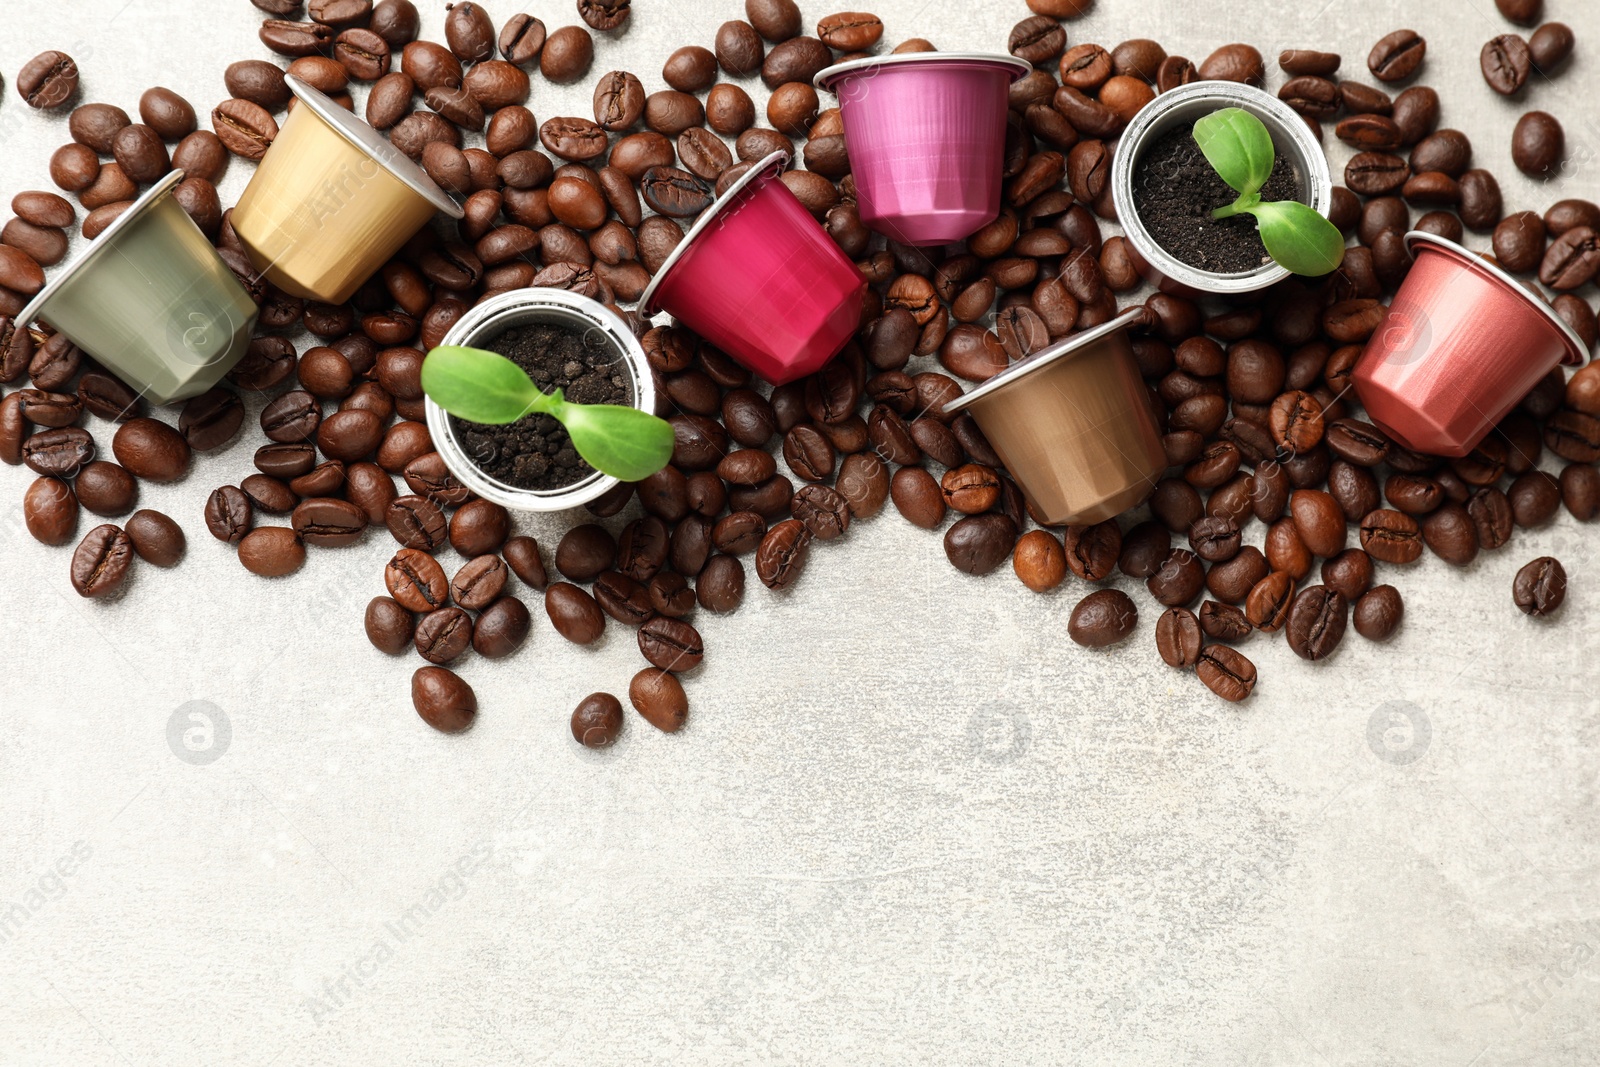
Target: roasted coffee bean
column 1298, row 62
column 1413, row 494
column 1540, row 587
column 604, row 14
column 1103, row 618
column 1535, row 497
column 1296, row 421
column 597, row 720
column 271, row 552
column 824, row 511
column 1397, row 56
column 326, row 479
column 1178, row 580
column 1312, row 96
column 674, row 192
column 1378, row 613
column 1538, row 145
column 1317, row 620
column 1506, row 64
column 1580, row 490
column 443, row 700
column 416, row 580
column 585, row 551
column 522, row 556
column 1232, row 580
column 244, row 128
column 51, row 410
column 1391, row 536
column 211, row 419
column 522, row 39
column 293, row 416
column 1234, row 63
column 501, row 629
column 1267, row 604
column 155, row 537
column 58, row 453
column 1226, row 672
column 259, row 82
column 97, row 125
column 1039, row 561
column 1376, row 173
column 1550, row 46
column 568, row 52
column 978, row 544
column 74, row 167
column 1349, row 573
column 328, row 522
column 106, row 489
column 101, row 561
column 443, row 635
column 416, row 522
column 1572, row 260
column 1416, row 113
column 269, row 494
column 469, row 32
column 671, row 644
column 1178, row 637
column 1144, row 549
column 782, row 554
column 1215, row 539
column 50, row 511
column 1092, row 551
column 229, row 514
column 1491, row 515
column 1451, row 534
column 48, row 80
column 658, row 696
column 1224, row 622
column 970, row 489
column 389, row 626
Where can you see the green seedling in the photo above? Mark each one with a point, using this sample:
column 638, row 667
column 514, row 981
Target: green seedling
column 485, row 387
column 1239, row 149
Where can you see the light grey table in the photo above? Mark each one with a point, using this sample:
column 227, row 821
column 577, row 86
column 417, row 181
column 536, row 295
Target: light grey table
column 908, row 822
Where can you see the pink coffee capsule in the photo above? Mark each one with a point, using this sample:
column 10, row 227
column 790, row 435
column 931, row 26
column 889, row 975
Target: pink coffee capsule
column 926, row 135
column 1462, row 344
column 758, row 277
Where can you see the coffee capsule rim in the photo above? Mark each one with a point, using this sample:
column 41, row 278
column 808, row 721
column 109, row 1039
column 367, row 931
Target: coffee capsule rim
column 826, row 77
column 1046, row 356
column 773, row 161
column 1577, row 352
column 107, row 237
column 365, row 139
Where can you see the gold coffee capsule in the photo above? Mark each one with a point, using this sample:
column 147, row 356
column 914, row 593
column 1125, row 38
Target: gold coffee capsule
column 331, row 202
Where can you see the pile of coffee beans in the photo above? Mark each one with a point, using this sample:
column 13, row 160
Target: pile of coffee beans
column 1252, row 393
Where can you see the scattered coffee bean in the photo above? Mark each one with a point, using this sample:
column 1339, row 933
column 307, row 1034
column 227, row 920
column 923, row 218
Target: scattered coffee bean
column 443, row 700
column 1540, row 587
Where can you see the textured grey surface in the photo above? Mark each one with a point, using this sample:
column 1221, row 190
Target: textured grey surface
column 909, row 821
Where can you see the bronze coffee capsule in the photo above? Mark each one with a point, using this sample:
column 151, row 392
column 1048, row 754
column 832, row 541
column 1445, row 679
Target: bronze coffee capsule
column 1074, row 426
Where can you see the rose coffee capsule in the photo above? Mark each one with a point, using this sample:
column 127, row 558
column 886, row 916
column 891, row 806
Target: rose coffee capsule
column 926, row 136
column 152, row 301
column 758, row 277
column 1462, row 344
column 331, row 201
column 1074, row 426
